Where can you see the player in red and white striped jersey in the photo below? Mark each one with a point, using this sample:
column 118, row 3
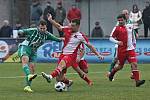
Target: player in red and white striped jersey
column 72, row 42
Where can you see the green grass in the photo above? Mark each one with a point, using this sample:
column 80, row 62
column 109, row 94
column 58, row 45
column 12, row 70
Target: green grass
column 123, row 88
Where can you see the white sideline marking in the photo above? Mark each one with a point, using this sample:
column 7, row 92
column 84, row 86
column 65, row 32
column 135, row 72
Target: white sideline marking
column 11, row 77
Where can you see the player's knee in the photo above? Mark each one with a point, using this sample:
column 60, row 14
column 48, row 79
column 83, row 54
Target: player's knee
column 25, row 59
column 85, row 71
column 119, row 67
column 134, row 66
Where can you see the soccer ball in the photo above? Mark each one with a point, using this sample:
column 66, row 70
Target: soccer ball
column 60, row 86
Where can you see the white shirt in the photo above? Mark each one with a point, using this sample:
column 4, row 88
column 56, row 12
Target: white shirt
column 74, row 42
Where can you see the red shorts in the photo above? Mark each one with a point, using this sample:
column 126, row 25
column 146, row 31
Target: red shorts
column 69, row 59
column 83, row 64
column 126, row 55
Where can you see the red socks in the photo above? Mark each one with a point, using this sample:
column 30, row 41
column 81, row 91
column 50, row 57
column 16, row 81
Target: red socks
column 113, row 71
column 56, row 72
column 87, row 80
column 136, row 75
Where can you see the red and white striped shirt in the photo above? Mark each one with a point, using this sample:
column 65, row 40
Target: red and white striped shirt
column 72, row 41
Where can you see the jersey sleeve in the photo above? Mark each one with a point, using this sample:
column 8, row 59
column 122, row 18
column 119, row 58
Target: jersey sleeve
column 52, row 37
column 114, row 32
column 113, row 35
column 28, row 31
column 84, row 39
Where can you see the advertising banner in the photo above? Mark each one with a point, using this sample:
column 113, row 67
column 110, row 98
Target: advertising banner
column 8, row 50
column 50, row 51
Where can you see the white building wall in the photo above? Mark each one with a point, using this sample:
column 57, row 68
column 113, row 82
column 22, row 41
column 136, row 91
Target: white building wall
column 4, row 11
column 104, row 11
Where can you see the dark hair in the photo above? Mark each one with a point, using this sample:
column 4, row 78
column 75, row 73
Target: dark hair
column 59, row 3
column 121, row 16
column 48, row 2
column 42, row 22
column 97, row 23
column 135, row 10
column 76, row 21
column 74, row 5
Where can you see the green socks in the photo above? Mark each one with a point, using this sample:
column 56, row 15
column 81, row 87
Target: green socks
column 26, row 69
column 27, row 72
column 112, row 65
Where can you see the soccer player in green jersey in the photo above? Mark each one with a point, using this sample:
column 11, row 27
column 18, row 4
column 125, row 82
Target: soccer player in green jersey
column 27, row 49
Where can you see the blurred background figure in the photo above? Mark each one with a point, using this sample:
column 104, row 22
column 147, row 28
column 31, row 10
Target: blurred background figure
column 49, row 10
column 17, row 27
column 6, row 30
column 97, row 31
column 60, row 15
column 146, row 18
column 36, row 11
column 74, row 13
column 33, row 25
column 135, row 17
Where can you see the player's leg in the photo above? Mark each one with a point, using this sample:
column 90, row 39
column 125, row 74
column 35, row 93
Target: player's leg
column 32, row 62
column 121, row 60
column 113, row 63
column 114, row 70
column 61, row 65
column 133, row 61
column 32, row 68
column 83, row 66
column 24, row 56
column 82, row 74
column 62, row 77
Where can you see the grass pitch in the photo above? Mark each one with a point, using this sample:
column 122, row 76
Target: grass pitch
column 123, row 88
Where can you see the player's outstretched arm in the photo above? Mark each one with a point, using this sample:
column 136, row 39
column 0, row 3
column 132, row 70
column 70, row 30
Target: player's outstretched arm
column 57, row 25
column 92, row 48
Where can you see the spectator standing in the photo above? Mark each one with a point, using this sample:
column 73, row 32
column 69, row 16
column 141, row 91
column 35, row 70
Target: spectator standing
column 60, row 15
column 74, row 13
column 6, row 30
column 146, row 18
column 97, row 31
column 49, row 10
column 18, row 26
column 135, row 17
column 36, row 12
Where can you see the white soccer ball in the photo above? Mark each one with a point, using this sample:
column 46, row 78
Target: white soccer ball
column 60, row 86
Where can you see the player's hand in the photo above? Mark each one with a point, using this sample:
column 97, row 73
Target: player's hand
column 120, row 43
column 101, row 57
column 49, row 17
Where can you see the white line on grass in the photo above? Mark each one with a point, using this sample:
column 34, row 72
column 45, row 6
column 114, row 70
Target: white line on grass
column 11, row 77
